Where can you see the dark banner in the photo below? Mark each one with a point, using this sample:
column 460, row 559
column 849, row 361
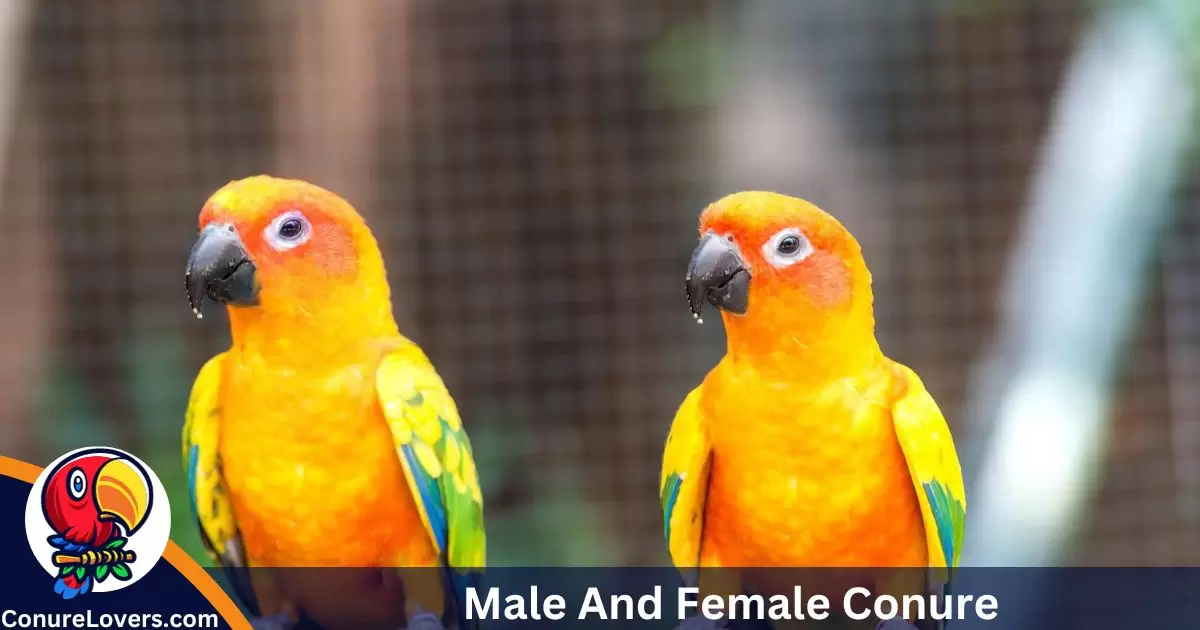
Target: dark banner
column 992, row 599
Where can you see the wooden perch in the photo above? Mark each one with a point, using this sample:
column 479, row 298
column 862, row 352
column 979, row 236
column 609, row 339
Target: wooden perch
column 93, row 558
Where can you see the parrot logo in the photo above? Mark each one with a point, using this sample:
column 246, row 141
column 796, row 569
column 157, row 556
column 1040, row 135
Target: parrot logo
column 97, row 519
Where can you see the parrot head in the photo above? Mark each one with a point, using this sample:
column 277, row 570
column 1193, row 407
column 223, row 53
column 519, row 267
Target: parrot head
column 87, row 496
column 279, row 248
column 782, row 272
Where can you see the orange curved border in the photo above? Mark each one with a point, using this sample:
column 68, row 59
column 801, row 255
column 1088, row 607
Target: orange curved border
column 177, row 557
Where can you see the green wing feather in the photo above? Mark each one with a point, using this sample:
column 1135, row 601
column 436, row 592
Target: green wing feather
column 436, row 455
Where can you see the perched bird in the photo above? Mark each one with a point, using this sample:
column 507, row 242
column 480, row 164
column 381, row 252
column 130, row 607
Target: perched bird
column 805, row 446
column 94, row 502
column 323, row 437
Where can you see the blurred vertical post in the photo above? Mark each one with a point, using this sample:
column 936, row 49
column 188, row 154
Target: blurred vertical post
column 329, row 89
column 1100, row 197
column 24, row 318
column 14, row 29
column 794, row 116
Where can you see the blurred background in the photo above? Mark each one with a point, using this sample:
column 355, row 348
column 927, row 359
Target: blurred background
column 1020, row 174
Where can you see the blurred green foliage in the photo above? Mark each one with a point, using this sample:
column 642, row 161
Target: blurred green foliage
column 553, row 523
column 689, row 64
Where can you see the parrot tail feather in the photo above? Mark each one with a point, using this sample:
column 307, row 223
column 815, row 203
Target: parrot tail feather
column 947, row 592
column 459, row 582
column 70, row 587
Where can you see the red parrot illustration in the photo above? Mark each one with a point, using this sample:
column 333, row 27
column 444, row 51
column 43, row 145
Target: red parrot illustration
column 94, row 502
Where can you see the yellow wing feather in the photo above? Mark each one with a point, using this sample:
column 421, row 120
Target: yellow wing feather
column 206, row 486
column 933, row 464
column 200, row 434
column 683, row 486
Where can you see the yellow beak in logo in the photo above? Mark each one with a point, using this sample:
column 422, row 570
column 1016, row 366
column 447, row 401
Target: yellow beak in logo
column 123, row 493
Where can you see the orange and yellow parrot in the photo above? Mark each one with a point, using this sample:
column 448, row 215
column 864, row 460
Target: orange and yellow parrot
column 323, row 437
column 805, row 446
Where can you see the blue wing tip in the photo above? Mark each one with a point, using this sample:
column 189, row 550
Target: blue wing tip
column 430, row 499
column 940, row 504
column 193, row 462
column 671, row 492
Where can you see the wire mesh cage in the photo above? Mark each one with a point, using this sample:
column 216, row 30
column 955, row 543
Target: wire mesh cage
column 534, row 172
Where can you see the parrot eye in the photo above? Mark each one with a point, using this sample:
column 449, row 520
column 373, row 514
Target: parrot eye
column 787, row 247
column 291, row 228
column 76, row 484
column 288, row 230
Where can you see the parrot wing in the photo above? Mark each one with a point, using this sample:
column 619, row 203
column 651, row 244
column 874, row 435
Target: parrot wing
column 683, row 487
column 206, row 486
column 437, row 461
column 933, row 464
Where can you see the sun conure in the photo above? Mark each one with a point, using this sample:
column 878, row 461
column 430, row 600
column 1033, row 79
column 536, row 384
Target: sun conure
column 805, row 446
column 323, row 437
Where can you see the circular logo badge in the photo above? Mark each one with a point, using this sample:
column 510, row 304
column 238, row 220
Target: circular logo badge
column 97, row 520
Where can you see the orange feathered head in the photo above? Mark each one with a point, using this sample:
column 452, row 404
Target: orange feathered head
column 779, row 268
column 282, row 246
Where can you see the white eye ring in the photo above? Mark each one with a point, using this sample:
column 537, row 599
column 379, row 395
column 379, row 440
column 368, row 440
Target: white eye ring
column 287, row 231
column 76, row 484
column 786, row 248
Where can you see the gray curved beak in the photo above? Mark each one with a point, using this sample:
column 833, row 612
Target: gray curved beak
column 220, row 269
column 717, row 275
